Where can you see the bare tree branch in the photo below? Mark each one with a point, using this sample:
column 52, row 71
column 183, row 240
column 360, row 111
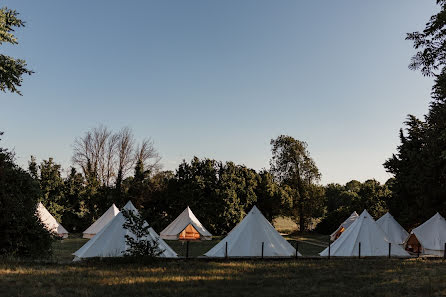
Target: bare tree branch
column 107, row 155
column 125, row 152
column 148, row 155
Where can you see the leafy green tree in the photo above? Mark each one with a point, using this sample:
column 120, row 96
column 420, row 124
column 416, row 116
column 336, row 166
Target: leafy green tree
column 196, row 185
column 334, row 198
column 21, row 232
column 220, row 194
column 33, row 168
column 236, row 193
column 157, row 201
column 139, row 186
column 341, row 201
column 272, row 199
column 11, row 70
column 373, row 197
column 419, row 166
column 75, row 215
column 52, row 187
column 93, row 194
column 292, row 166
column 316, row 208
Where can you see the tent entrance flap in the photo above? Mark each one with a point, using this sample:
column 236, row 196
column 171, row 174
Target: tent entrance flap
column 189, row 233
column 413, row 245
column 339, row 232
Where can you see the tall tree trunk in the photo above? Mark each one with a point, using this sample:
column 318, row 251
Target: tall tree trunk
column 301, row 217
column 118, row 190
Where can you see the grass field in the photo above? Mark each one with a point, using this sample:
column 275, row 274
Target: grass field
column 354, row 277
column 195, row 277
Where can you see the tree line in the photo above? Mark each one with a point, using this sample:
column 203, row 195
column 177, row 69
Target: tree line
column 220, row 193
column 112, row 169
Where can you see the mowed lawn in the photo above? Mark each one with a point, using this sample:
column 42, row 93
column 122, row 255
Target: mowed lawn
column 197, row 277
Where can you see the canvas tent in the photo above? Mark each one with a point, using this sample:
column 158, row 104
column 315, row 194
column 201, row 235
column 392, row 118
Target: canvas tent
column 335, row 235
column 373, row 240
column 186, row 227
column 395, row 232
column 111, row 242
column 101, row 222
column 50, row 222
column 246, row 239
column 430, row 237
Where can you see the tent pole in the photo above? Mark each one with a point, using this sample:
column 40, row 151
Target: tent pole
column 359, row 251
column 418, row 250
column 390, row 248
column 444, row 252
column 329, row 248
column 226, row 250
column 262, row 248
column 297, row 248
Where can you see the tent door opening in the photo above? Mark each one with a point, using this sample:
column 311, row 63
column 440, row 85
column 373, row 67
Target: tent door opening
column 189, row 233
column 339, row 232
column 413, row 245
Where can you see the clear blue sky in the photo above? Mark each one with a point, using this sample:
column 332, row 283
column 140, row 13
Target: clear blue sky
column 219, row 79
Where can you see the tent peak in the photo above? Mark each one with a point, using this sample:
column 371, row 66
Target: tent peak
column 395, row 232
column 354, row 215
column 365, row 213
column 49, row 221
column 130, row 206
column 388, row 214
column 100, row 223
column 254, row 209
column 438, row 216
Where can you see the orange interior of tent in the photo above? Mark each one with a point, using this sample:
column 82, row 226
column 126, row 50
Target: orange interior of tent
column 339, row 232
column 189, row 233
column 413, row 245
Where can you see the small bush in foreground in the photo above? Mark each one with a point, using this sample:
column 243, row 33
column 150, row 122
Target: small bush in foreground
column 139, row 241
column 21, row 232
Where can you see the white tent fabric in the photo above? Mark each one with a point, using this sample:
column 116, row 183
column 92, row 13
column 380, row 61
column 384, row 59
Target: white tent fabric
column 373, row 240
column 395, row 232
column 432, row 235
column 245, row 240
column 111, row 242
column 185, row 219
column 101, row 222
column 345, row 224
column 50, row 222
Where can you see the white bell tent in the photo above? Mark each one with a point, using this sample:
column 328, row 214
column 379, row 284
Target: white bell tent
column 186, row 227
column 50, row 222
column 111, row 241
column 335, row 235
column 430, row 237
column 246, row 239
column 395, row 232
column 101, row 222
column 373, row 240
